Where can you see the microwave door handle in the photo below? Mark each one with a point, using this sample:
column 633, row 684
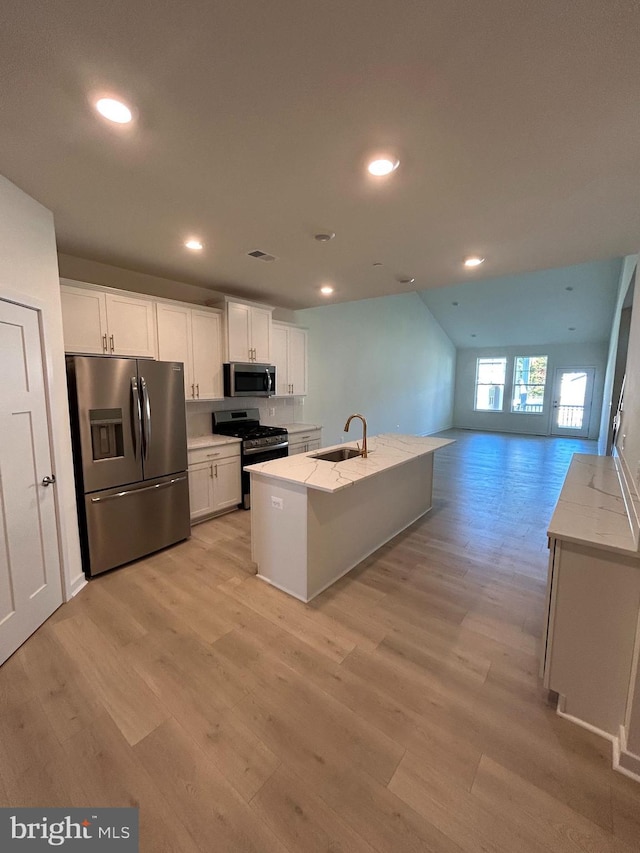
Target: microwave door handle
column 268, row 380
column 146, row 416
column 136, row 416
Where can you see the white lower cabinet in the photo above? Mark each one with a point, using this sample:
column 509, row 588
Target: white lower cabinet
column 304, row 442
column 588, row 645
column 214, row 480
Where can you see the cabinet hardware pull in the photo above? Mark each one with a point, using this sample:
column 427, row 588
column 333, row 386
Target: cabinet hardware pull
column 104, row 342
column 48, row 480
column 193, row 390
column 216, row 467
column 112, row 343
column 198, row 390
column 212, row 455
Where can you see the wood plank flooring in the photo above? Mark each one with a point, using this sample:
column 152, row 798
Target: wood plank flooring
column 399, row 711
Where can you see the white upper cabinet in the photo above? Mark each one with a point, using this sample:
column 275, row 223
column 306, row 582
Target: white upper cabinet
column 193, row 336
column 84, row 320
column 99, row 322
column 206, row 329
column 289, row 353
column 248, row 332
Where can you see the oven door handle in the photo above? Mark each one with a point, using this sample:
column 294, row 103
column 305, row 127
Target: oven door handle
column 254, row 450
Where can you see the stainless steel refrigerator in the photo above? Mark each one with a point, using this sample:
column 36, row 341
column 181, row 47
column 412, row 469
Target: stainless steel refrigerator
column 130, row 457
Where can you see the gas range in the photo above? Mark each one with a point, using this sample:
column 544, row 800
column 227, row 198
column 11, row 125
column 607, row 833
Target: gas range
column 245, row 424
column 259, row 443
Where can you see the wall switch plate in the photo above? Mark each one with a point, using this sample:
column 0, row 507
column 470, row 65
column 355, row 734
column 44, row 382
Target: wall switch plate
column 277, row 503
column 272, row 412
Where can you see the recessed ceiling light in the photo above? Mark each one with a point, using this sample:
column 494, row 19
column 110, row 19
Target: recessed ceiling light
column 572, row 328
column 382, row 166
column 473, row 261
column 406, row 280
column 326, row 290
column 114, row 110
column 455, row 303
column 377, row 264
column 474, row 335
column 568, row 288
column 324, row 238
column 194, row 245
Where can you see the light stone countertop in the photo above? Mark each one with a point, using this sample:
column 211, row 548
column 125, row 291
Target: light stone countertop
column 210, row 441
column 385, row 451
column 292, row 429
column 591, row 508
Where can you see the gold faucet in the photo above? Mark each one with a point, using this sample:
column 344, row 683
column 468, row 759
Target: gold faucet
column 363, row 452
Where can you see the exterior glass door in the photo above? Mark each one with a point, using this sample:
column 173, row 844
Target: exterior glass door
column 572, row 400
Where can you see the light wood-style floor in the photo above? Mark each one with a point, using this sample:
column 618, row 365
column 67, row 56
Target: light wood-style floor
column 400, row 711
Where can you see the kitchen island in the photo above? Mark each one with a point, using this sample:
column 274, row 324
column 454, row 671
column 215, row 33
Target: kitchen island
column 313, row 520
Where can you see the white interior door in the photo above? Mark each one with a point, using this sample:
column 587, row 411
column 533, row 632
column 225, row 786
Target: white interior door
column 30, row 577
column 572, row 401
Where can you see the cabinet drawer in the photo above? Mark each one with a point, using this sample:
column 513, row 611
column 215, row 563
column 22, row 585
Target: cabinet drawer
column 213, row 454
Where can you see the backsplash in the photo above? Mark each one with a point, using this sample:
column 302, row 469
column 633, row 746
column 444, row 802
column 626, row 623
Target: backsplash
column 286, row 410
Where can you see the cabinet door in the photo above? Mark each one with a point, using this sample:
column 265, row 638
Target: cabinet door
column 207, row 355
column 313, row 445
column 238, row 332
column 201, row 490
column 84, row 320
column 131, row 326
column 227, row 490
column 298, row 447
column 261, row 335
column 279, row 355
column 298, row 361
column 175, row 341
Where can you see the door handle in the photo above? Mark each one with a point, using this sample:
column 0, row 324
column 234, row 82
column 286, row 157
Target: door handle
column 136, row 418
column 48, row 481
column 146, row 419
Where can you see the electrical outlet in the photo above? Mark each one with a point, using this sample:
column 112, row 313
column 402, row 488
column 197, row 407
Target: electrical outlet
column 277, row 503
column 272, row 412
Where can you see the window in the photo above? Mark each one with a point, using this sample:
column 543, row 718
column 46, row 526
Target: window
column 529, row 379
column 490, row 373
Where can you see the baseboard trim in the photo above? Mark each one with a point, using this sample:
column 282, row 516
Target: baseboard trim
column 622, row 761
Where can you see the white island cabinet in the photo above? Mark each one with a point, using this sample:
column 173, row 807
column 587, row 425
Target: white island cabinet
column 313, row 520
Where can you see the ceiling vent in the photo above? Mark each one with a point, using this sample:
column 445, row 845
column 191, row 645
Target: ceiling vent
column 261, row 256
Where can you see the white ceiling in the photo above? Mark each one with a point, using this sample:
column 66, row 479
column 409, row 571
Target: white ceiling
column 517, row 126
column 530, row 309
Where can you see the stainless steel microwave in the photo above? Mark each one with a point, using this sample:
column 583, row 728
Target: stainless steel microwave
column 249, row 380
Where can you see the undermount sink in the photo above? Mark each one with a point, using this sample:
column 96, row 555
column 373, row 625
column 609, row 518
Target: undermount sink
column 339, row 455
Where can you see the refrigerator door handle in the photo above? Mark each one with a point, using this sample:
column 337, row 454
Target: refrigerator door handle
column 146, row 416
column 126, row 492
column 136, row 419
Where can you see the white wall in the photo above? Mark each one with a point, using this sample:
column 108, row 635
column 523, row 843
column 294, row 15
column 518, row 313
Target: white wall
column 626, row 275
column 95, row 272
column 560, row 355
column 628, row 442
column 29, row 271
column 386, row 358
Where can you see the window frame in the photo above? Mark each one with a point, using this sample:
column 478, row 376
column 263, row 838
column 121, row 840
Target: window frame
column 515, row 384
column 503, row 359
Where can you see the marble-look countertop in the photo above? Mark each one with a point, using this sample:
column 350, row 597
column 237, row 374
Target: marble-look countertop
column 210, row 441
column 292, row 429
column 385, row 451
column 591, row 508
